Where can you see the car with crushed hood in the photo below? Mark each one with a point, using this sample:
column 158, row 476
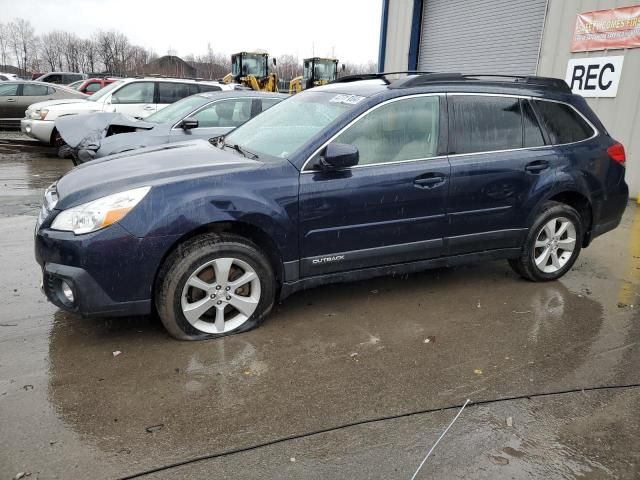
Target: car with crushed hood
column 363, row 177
column 205, row 115
column 137, row 97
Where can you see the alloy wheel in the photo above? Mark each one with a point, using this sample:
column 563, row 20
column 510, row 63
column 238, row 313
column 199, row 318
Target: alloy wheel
column 220, row 295
column 555, row 244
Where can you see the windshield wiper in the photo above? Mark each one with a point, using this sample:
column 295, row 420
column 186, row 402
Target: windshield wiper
column 244, row 152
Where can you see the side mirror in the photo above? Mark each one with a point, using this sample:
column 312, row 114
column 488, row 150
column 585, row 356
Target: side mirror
column 189, row 123
column 274, row 61
column 343, row 67
column 339, row 155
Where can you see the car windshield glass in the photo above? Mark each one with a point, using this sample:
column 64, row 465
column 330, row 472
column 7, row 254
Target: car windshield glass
column 101, row 93
column 287, row 126
column 176, row 111
column 75, row 85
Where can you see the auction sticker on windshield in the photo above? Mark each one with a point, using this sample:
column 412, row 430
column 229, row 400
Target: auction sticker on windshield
column 348, row 99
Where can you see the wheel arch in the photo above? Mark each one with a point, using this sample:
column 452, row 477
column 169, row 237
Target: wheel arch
column 246, row 230
column 576, row 200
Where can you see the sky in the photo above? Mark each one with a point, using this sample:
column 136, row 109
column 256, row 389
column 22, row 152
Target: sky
column 346, row 29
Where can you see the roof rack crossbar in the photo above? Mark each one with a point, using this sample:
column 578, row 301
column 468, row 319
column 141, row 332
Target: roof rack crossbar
column 425, row 79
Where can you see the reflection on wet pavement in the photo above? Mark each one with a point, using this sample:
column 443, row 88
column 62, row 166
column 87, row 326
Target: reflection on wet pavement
column 325, row 357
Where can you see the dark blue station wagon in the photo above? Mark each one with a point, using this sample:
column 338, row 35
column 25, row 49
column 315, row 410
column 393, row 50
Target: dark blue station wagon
column 366, row 176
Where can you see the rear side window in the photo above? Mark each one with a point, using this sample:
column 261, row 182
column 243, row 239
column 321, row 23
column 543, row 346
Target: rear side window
column 209, row 88
column 172, row 92
column 562, row 122
column 485, row 123
column 532, row 133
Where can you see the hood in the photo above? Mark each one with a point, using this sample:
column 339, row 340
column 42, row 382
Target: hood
column 147, row 166
column 76, row 105
column 74, row 129
column 50, row 103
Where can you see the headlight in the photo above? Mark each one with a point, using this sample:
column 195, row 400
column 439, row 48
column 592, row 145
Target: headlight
column 100, row 213
column 43, row 113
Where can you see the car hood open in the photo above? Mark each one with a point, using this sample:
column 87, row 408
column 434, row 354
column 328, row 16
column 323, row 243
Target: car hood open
column 147, row 166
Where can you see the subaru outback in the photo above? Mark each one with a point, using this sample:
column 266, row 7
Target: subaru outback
column 363, row 177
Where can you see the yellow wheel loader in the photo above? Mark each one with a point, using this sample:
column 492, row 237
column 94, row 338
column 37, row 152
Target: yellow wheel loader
column 317, row 71
column 251, row 69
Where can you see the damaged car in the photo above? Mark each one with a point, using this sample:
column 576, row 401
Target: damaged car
column 205, row 116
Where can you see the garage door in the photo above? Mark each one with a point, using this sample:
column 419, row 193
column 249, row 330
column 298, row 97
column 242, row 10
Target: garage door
column 481, row 36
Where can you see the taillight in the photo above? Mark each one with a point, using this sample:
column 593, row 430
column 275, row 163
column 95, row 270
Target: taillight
column 616, row 152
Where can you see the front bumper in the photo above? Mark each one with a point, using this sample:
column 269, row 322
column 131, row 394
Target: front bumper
column 110, row 272
column 39, row 129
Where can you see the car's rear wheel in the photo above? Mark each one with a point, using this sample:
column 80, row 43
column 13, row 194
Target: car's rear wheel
column 552, row 245
column 214, row 286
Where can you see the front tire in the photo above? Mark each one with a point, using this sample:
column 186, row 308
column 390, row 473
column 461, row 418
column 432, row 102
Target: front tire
column 214, row 285
column 552, row 245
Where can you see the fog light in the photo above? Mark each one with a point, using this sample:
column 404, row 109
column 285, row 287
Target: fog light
column 67, row 291
column 28, row 128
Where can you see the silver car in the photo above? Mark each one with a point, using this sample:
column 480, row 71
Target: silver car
column 204, row 115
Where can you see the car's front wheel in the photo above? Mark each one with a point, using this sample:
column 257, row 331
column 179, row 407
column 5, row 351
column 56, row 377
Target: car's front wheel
column 214, row 285
column 552, row 245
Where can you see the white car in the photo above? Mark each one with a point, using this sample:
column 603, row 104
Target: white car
column 8, row 77
column 136, row 97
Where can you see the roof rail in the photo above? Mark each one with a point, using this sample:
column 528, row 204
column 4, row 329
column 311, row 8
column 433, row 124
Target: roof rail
column 373, row 76
column 426, row 79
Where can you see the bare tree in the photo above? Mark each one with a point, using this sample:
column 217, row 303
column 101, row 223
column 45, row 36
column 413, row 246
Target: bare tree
column 288, row 67
column 4, row 43
column 22, row 41
column 51, row 48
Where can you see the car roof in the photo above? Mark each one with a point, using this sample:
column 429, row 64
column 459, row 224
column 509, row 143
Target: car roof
column 172, row 79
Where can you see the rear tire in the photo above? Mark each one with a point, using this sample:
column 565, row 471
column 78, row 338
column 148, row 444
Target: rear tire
column 214, row 285
column 552, row 245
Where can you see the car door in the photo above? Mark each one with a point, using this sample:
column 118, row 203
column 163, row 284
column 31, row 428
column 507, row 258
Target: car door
column 9, row 100
column 135, row 99
column 391, row 207
column 218, row 118
column 34, row 93
column 499, row 162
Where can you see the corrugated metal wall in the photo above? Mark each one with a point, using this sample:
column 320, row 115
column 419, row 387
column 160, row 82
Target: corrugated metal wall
column 481, row 36
column 620, row 114
column 398, row 35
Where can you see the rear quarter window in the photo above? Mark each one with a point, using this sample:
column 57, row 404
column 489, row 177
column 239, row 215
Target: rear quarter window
column 562, row 122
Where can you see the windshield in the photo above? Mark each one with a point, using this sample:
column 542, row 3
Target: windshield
column 323, row 70
column 75, row 85
column 104, row 91
column 251, row 65
column 287, row 126
column 176, row 111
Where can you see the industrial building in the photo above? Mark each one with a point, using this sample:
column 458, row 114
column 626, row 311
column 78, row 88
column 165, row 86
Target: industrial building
column 594, row 45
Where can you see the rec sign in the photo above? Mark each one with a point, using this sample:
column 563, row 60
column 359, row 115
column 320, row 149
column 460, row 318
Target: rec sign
column 594, row 76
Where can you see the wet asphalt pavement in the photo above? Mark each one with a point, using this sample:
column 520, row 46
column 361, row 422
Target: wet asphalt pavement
column 533, row 359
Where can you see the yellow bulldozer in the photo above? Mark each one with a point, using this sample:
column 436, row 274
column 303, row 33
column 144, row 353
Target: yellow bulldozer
column 317, row 71
column 251, row 69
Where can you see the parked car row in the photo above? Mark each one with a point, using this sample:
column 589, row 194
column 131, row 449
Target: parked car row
column 363, row 177
column 91, row 85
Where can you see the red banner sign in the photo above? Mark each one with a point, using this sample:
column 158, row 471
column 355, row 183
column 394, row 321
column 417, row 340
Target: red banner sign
column 607, row 29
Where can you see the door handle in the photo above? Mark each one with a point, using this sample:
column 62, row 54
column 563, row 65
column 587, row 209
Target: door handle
column 429, row 182
column 12, row 100
column 537, row 166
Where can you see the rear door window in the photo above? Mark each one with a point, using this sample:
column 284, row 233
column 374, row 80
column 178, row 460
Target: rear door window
column 485, row 123
column 30, row 90
column 137, row 92
column 225, row 113
column 562, row 122
column 172, row 92
column 55, row 78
